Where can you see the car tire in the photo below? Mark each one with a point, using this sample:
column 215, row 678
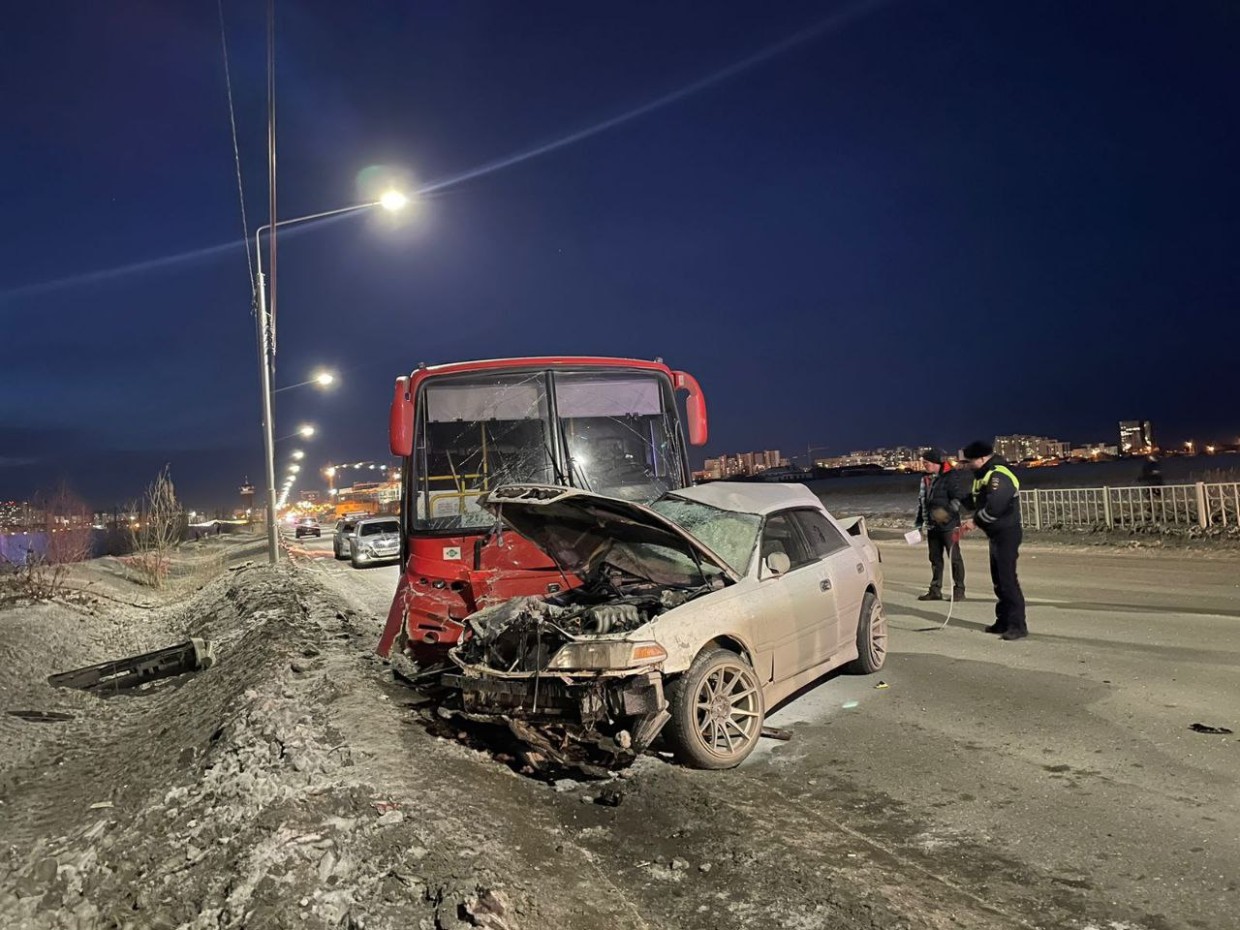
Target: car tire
column 717, row 711
column 336, row 552
column 871, row 637
column 355, row 560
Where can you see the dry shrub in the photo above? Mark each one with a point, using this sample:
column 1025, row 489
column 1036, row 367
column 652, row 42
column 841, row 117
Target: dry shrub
column 44, row 575
column 158, row 533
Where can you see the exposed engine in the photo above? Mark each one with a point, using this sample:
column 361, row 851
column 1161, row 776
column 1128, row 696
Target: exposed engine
column 585, row 724
column 522, row 634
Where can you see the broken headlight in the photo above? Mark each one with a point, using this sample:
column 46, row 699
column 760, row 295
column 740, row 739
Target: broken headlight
column 606, row 654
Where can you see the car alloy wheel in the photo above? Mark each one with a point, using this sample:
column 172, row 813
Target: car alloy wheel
column 717, row 711
column 871, row 637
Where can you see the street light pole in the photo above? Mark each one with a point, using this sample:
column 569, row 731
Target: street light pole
column 269, row 442
column 392, row 201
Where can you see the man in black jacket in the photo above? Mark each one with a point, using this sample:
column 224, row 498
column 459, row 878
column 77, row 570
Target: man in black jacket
column 996, row 504
column 938, row 510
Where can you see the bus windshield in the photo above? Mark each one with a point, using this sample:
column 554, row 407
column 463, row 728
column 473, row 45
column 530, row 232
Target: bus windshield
column 615, row 433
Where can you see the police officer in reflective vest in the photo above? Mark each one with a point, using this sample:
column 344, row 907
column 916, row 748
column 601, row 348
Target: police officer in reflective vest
column 996, row 503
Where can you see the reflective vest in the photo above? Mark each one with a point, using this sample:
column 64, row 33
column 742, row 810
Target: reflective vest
column 979, row 483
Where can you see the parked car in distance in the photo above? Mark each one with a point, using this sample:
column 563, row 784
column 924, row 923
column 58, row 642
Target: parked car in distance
column 375, row 539
column 693, row 616
column 342, row 537
column 308, row 526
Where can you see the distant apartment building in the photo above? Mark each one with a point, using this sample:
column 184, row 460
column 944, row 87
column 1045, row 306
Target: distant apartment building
column 742, row 464
column 1093, row 451
column 1021, row 448
column 20, row 515
column 1136, row 437
column 893, row 459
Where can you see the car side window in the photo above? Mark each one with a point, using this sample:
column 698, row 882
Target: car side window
column 781, row 535
column 824, row 539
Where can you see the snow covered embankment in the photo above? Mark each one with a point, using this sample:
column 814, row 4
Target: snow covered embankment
column 226, row 798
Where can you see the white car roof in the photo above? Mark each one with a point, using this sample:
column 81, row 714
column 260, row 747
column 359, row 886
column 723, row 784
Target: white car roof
column 751, row 497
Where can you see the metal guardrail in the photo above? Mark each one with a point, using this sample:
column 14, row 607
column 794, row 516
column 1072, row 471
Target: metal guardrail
column 1201, row 505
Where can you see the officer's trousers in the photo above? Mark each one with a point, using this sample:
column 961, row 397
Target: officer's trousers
column 1004, row 550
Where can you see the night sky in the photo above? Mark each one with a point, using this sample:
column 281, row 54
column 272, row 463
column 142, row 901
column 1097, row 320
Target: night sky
column 858, row 225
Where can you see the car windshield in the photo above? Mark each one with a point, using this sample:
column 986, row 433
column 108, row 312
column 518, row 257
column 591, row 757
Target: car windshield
column 377, row 529
column 730, row 535
column 613, row 433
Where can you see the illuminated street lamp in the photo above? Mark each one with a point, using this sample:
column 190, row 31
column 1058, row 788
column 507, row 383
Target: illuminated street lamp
column 294, row 468
column 298, row 454
column 391, row 201
column 322, row 379
column 305, row 431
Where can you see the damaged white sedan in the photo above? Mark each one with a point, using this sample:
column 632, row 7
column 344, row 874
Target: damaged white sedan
column 689, row 618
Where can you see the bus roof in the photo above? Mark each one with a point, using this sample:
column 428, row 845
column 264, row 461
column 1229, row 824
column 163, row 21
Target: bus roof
column 545, row 361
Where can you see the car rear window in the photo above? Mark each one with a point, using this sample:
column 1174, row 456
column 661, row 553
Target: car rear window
column 376, row 529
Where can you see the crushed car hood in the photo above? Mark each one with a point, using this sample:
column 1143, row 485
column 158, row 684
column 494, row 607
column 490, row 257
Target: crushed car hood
column 579, row 530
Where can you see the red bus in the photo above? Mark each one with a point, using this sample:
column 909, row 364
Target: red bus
column 608, row 425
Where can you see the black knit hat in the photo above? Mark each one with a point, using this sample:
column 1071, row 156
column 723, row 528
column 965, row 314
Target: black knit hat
column 978, row 449
column 933, row 455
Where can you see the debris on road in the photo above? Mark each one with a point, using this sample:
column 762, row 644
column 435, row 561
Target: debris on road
column 776, row 733
column 1206, row 728
column 610, row 797
column 881, row 685
column 194, row 655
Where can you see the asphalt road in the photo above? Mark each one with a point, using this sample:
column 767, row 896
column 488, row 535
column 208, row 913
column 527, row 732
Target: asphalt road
column 1053, row 781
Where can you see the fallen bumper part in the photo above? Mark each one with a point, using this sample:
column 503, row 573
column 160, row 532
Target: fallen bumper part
column 196, row 655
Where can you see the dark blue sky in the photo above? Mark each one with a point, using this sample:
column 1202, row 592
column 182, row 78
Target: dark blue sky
column 937, row 221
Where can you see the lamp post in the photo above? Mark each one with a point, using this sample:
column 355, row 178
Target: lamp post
column 392, row 200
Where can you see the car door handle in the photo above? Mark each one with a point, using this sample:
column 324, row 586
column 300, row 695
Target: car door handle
column 825, row 584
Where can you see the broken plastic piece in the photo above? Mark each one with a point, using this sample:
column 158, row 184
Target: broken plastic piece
column 776, row 733
column 1206, row 728
column 881, row 685
column 196, row 655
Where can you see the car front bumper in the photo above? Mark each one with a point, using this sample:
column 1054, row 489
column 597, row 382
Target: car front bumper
column 380, row 555
column 612, row 715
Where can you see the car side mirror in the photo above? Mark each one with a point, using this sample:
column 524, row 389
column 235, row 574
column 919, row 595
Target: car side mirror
column 777, row 563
